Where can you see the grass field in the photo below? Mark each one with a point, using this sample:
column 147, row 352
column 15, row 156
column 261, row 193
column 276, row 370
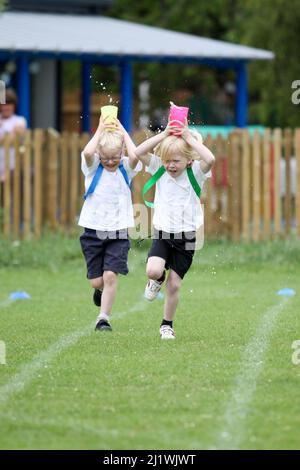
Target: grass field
column 227, row 381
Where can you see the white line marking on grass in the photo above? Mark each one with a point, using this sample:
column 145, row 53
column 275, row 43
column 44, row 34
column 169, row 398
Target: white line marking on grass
column 20, row 380
column 235, row 416
column 69, row 424
column 137, row 307
column 6, row 303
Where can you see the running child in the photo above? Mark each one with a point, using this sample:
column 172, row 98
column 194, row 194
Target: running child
column 181, row 163
column 107, row 212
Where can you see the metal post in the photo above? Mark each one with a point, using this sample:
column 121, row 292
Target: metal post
column 85, row 100
column 23, row 87
column 126, row 95
column 241, row 95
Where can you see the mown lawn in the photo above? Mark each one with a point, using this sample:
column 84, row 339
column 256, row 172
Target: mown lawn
column 227, row 381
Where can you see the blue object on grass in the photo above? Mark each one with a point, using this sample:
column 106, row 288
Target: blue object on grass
column 19, row 295
column 160, row 295
column 286, row 291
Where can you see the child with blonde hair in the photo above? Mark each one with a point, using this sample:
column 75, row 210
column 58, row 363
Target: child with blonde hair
column 107, row 212
column 180, row 165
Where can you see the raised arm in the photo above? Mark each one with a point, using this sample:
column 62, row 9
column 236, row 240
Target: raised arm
column 142, row 150
column 129, row 144
column 206, row 157
column 90, row 148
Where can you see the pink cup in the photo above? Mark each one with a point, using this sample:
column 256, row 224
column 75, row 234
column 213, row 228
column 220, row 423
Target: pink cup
column 178, row 116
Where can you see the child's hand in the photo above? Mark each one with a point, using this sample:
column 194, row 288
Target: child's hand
column 173, row 128
column 104, row 125
column 178, row 129
column 101, row 124
column 185, row 132
column 119, row 126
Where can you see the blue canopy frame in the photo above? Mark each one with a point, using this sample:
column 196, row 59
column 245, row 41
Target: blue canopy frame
column 125, row 64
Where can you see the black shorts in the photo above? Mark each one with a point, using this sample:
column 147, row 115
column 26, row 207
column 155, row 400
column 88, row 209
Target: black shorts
column 177, row 249
column 105, row 251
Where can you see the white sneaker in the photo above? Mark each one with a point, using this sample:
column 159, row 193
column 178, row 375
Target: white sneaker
column 166, row 332
column 152, row 289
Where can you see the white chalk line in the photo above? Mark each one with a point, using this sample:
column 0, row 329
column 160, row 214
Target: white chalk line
column 28, row 372
column 233, row 430
column 6, row 303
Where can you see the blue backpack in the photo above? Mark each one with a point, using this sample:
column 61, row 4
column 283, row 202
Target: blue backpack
column 97, row 177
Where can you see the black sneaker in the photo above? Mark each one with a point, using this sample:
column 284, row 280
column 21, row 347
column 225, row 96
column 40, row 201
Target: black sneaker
column 97, row 297
column 103, row 325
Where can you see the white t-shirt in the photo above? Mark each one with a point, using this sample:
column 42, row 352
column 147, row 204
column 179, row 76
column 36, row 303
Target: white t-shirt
column 109, row 207
column 177, row 207
column 6, row 127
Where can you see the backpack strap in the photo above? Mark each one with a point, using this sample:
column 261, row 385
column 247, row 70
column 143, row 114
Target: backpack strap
column 193, row 181
column 151, row 182
column 97, row 177
column 158, row 174
column 125, row 176
column 94, row 182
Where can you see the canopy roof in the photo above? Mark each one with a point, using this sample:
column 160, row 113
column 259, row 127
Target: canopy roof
column 101, row 36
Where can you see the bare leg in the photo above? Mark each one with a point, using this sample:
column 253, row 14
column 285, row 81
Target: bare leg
column 109, row 291
column 97, row 283
column 155, row 267
column 172, row 295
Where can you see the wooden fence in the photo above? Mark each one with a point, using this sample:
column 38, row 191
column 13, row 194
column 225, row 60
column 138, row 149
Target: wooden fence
column 254, row 193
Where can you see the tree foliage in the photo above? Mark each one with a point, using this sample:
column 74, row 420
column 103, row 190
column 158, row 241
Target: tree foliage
column 268, row 24
column 2, row 4
column 272, row 25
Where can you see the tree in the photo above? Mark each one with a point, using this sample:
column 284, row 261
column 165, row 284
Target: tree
column 2, row 4
column 268, row 24
column 273, row 25
column 208, row 19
